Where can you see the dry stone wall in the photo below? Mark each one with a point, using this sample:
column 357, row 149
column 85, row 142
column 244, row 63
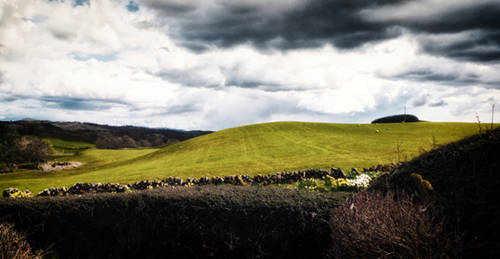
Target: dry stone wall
column 278, row 178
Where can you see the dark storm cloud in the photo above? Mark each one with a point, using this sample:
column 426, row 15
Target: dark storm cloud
column 79, row 104
column 313, row 24
column 431, row 75
column 345, row 24
column 172, row 7
column 238, row 76
column 8, row 99
column 186, row 77
column 438, row 104
column 179, row 110
column 483, row 15
column 477, row 25
column 67, row 103
column 481, row 47
column 481, row 23
column 196, row 47
column 421, row 101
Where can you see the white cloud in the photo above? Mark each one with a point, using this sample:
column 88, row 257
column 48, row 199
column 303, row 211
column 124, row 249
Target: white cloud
column 102, row 63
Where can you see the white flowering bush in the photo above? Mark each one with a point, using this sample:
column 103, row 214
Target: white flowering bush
column 354, row 181
column 361, row 181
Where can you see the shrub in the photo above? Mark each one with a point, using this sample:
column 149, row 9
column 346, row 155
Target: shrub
column 371, row 225
column 13, row 244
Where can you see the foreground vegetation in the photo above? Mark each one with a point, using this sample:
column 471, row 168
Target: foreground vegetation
column 185, row 222
column 441, row 204
column 254, row 149
column 464, row 175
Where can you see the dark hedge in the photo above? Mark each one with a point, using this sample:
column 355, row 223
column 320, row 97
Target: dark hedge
column 397, row 119
column 181, row 222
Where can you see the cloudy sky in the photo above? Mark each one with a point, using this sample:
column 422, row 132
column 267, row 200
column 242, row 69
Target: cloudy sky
column 216, row 64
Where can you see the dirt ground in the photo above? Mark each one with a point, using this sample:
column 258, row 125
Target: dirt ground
column 59, row 166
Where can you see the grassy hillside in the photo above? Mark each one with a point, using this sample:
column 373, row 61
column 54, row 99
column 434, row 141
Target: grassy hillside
column 261, row 148
column 62, row 146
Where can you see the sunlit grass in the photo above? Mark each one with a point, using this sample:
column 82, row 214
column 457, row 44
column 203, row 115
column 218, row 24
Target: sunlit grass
column 68, row 146
column 261, row 148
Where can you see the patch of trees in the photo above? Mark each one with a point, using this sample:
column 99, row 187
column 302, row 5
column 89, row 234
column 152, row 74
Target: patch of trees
column 22, row 145
column 397, row 119
column 106, row 140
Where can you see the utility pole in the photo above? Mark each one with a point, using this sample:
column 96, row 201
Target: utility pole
column 492, row 112
column 405, row 114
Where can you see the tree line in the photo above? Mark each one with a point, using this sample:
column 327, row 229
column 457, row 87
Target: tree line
column 397, row 119
column 23, row 145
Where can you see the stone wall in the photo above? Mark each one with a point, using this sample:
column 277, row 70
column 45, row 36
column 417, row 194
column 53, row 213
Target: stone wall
column 278, row 178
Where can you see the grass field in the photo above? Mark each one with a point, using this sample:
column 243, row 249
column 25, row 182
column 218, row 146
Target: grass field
column 260, row 148
column 68, row 146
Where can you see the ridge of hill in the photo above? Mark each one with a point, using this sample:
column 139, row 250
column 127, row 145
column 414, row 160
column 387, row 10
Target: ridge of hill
column 465, row 176
column 88, row 132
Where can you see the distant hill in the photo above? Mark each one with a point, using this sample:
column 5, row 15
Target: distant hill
column 88, row 132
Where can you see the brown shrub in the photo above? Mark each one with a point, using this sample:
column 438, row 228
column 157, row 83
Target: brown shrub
column 371, row 225
column 14, row 246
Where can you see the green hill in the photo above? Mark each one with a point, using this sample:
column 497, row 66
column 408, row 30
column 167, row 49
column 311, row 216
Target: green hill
column 261, row 148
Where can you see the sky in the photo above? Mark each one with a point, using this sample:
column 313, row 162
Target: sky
column 218, row 64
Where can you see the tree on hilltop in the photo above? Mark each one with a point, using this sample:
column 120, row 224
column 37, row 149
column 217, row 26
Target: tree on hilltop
column 397, row 119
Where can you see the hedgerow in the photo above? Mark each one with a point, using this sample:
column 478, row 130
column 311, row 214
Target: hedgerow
column 220, row 221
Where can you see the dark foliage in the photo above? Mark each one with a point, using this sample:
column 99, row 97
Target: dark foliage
column 188, row 222
column 397, row 119
column 465, row 176
column 18, row 148
column 31, row 128
column 13, row 245
column 373, row 225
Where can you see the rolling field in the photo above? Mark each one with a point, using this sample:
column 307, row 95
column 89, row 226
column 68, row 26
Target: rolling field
column 260, row 148
column 62, row 146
